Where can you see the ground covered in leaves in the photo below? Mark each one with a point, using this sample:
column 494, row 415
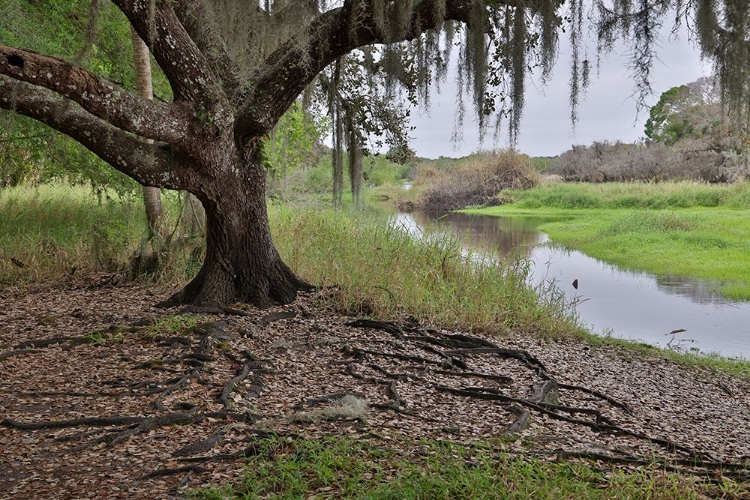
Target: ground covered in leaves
column 103, row 395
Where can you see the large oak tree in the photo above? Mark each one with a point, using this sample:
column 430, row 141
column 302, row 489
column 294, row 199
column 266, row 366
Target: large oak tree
column 235, row 66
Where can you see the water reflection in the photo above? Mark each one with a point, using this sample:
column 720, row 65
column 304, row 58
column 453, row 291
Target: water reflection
column 636, row 306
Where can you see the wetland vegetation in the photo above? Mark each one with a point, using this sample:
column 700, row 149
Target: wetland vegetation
column 55, row 233
column 671, row 228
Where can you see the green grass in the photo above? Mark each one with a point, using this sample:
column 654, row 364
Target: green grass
column 619, row 195
column 104, row 338
column 56, row 229
column 169, row 325
column 669, row 229
column 53, row 231
column 339, row 467
column 379, row 270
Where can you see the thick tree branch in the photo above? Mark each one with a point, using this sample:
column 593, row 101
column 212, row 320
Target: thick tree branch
column 144, row 162
column 98, row 96
column 331, row 35
column 186, row 68
column 194, row 17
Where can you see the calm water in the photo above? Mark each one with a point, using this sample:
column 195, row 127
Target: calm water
column 630, row 305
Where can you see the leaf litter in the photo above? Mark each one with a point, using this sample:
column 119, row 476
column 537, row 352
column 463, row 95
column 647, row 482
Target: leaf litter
column 97, row 403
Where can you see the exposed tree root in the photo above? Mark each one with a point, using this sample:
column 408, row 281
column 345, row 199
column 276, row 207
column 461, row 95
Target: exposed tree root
column 544, row 400
column 174, row 470
column 387, row 373
column 197, row 448
column 17, row 352
column 74, row 422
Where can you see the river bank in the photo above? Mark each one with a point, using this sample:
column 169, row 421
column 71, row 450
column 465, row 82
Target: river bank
column 609, row 300
column 670, row 229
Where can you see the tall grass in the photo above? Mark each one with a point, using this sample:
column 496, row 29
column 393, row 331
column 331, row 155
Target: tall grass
column 52, row 231
column 616, row 195
column 379, row 269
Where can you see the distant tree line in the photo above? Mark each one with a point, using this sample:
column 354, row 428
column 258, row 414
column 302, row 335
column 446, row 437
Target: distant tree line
column 689, row 135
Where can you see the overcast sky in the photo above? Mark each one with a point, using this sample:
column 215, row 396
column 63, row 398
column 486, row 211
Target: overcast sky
column 607, row 113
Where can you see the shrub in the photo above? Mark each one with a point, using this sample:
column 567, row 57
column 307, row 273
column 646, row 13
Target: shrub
column 477, row 180
column 652, row 162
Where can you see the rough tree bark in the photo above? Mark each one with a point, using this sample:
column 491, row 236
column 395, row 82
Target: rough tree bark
column 355, row 161
column 144, row 85
column 337, row 153
column 208, row 141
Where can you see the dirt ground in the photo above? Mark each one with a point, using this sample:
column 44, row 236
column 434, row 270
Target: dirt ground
column 102, row 396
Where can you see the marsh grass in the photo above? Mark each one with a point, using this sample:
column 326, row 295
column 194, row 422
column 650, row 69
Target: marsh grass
column 376, row 269
column 713, row 245
column 340, row 467
column 49, row 232
column 618, row 195
column 685, row 229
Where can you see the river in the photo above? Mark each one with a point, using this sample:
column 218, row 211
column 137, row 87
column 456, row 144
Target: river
column 608, row 300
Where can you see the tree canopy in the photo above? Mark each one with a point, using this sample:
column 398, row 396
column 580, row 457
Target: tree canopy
column 692, row 116
column 234, row 67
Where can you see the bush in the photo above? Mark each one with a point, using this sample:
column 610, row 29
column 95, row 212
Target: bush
column 652, row 162
column 477, row 180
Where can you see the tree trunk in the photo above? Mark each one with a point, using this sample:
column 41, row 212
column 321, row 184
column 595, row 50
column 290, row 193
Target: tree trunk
column 144, row 84
column 355, row 161
column 337, row 159
column 241, row 263
column 193, row 216
column 153, row 206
